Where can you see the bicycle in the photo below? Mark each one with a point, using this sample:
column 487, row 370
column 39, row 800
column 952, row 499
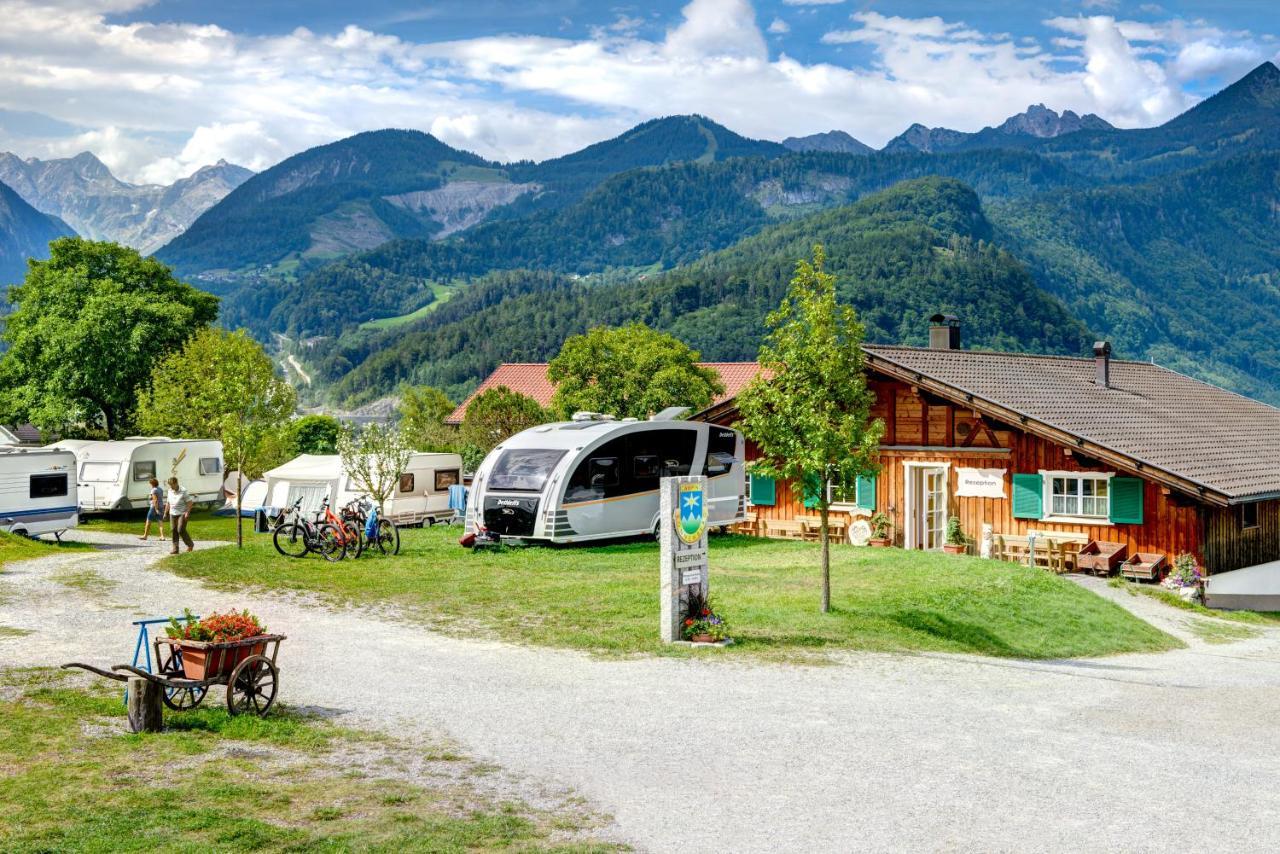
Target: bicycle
column 379, row 532
column 300, row 537
column 348, row 531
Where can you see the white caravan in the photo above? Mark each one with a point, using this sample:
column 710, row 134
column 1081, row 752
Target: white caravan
column 421, row 496
column 116, row 475
column 37, row 491
column 596, row 477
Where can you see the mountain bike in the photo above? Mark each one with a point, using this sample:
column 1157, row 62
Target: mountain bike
column 379, row 532
column 296, row 536
column 348, row 530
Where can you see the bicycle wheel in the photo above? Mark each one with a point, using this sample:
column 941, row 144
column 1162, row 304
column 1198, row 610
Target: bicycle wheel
column 329, row 543
column 291, row 540
column 355, row 540
column 388, row 541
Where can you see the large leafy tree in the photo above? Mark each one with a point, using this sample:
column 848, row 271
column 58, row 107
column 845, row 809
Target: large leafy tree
column 494, row 416
column 809, row 411
column 423, row 410
column 221, row 385
column 90, row 324
column 314, row 434
column 629, row 371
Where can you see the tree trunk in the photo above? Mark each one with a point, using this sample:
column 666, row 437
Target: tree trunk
column 146, row 714
column 109, row 420
column 824, row 513
column 239, row 515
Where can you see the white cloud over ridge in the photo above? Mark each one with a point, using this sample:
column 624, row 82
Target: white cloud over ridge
column 165, row 99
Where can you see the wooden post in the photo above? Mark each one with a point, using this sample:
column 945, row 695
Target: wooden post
column 146, row 712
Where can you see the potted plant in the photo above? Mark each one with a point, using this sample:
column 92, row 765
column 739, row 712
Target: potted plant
column 701, row 623
column 213, row 646
column 881, row 527
column 1186, row 578
column 957, row 543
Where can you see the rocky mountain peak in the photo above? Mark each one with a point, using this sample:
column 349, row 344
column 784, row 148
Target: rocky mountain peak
column 1044, row 123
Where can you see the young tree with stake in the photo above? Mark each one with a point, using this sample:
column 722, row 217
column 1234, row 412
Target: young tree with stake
column 374, row 458
column 809, row 411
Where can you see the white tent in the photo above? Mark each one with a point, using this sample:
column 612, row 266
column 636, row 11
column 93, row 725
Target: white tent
column 311, row 477
column 255, row 494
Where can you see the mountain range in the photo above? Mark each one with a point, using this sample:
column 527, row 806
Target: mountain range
column 391, row 257
column 83, row 193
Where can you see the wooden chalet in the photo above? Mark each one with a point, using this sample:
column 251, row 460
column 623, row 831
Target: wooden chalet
column 1032, row 451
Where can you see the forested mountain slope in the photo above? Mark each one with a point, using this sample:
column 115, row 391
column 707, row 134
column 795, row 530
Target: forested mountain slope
column 900, row 255
column 1183, row 269
column 24, row 233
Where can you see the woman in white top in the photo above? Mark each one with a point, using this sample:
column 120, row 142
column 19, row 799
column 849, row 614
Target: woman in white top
column 180, row 503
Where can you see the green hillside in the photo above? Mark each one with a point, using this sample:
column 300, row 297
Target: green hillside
column 900, row 255
column 1183, row 269
column 24, row 233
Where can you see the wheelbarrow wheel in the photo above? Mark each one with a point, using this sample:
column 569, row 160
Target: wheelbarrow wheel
column 183, row 699
column 252, row 686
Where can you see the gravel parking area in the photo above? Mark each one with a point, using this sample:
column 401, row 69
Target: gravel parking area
column 875, row 753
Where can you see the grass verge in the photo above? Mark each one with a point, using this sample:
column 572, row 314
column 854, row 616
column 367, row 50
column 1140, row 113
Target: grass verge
column 74, row 780
column 1168, row 597
column 605, row 598
column 14, row 548
column 203, row 525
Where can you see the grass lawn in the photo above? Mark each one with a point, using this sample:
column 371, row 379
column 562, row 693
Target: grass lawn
column 605, row 598
column 1155, row 591
column 203, row 525
column 73, row 779
column 14, row 548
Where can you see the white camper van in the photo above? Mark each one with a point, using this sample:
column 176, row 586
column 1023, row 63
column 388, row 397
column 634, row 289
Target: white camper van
column 596, row 477
column 115, row 475
column 421, row 496
column 37, row 491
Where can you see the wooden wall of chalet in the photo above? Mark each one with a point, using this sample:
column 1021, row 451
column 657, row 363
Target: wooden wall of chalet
column 922, row 429
column 1229, row 545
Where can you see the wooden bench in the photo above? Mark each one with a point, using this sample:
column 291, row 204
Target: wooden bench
column 837, row 524
column 787, row 529
column 749, row 525
column 1054, row 551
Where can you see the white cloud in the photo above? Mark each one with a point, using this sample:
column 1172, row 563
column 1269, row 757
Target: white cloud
column 164, row 99
column 778, row 27
column 811, row 2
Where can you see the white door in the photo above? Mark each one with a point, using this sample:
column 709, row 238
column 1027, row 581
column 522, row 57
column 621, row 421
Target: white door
column 926, row 510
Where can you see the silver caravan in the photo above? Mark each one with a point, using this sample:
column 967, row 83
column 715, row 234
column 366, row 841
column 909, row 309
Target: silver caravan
column 115, row 475
column 594, row 477
column 37, row 491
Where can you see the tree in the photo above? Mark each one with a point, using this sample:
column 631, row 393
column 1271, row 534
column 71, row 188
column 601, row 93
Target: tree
column 809, row 411
column 221, row 385
column 423, row 410
column 629, row 371
column 496, row 415
column 90, row 324
column 314, row 434
column 374, row 459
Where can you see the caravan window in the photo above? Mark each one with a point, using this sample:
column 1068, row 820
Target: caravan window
column 644, row 467
column 406, row 482
column 523, row 469
column 446, row 478
column 718, row 463
column 48, row 485
column 100, row 472
column 210, row 465
column 144, row 470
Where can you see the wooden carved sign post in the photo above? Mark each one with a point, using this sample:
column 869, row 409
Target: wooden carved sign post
column 683, row 517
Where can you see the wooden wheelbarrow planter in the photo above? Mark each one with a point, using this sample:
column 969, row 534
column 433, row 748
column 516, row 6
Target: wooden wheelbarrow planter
column 1144, row 566
column 186, row 670
column 1101, row 557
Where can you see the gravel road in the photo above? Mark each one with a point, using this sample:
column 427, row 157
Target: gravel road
column 876, row 753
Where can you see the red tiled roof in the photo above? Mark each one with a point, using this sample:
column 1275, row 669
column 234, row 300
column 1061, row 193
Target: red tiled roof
column 530, row 378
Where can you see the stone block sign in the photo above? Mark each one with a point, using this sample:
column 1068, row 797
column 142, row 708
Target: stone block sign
column 683, row 529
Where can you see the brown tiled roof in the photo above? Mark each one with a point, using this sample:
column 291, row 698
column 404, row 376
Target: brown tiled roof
column 530, row 378
column 1157, row 417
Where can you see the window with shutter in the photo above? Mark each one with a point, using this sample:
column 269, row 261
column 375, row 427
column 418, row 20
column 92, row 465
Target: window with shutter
column 1028, row 496
column 1126, row 500
column 866, row 492
column 762, row 491
column 812, row 486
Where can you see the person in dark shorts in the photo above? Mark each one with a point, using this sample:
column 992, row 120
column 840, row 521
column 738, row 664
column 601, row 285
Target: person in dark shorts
column 155, row 510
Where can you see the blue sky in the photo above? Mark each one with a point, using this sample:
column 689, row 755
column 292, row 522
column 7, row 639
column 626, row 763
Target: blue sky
column 157, row 89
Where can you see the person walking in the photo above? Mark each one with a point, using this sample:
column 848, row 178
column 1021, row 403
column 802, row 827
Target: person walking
column 155, row 510
column 180, row 504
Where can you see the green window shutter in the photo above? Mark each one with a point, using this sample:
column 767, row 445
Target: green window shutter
column 1126, row 500
column 812, row 490
column 865, row 492
column 1028, row 496
column 763, row 490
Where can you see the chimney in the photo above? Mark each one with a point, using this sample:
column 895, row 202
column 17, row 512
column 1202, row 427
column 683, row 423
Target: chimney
column 1102, row 364
column 944, row 332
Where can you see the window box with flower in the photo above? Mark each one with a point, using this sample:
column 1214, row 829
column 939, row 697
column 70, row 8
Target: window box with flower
column 212, row 647
column 702, row 624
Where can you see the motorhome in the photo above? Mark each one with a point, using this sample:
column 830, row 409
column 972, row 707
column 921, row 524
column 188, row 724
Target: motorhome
column 596, row 477
column 115, row 475
column 421, row 494
column 37, row 491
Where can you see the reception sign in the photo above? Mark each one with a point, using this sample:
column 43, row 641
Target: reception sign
column 980, row 483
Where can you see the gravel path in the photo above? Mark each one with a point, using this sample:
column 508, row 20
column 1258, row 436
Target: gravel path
column 879, row 752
